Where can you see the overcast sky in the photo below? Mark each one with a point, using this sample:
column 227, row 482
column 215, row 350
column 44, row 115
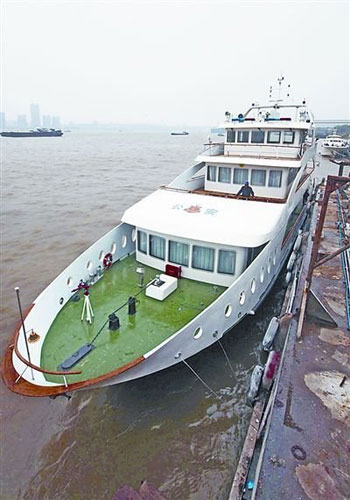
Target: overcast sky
column 171, row 62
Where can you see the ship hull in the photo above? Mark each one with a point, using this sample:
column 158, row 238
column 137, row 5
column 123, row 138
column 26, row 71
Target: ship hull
column 32, row 134
column 216, row 320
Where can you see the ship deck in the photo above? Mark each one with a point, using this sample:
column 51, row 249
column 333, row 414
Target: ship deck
column 153, row 322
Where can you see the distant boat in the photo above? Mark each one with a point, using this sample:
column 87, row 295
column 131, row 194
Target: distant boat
column 333, row 144
column 180, row 133
column 39, row 132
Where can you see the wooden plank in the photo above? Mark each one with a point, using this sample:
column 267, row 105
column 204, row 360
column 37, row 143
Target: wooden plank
column 247, row 452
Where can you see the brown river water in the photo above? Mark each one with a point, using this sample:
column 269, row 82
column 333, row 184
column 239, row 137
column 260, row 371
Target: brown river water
column 59, row 195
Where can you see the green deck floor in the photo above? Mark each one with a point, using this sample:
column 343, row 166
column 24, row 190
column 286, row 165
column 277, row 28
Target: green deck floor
column 153, row 322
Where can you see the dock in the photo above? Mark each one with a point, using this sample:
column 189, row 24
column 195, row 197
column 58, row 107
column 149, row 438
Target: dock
column 298, row 440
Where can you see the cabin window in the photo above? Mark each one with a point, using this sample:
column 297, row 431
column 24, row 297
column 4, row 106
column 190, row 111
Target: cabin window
column 231, row 135
column 253, row 253
column 224, row 174
column 142, row 241
column 243, row 136
column 288, row 137
column 275, row 178
column 293, row 218
column 203, row 258
column 258, row 178
column 258, row 136
column 178, row 253
column 240, row 175
column 273, row 136
column 227, row 262
column 157, row 247
column 292, row 175
column 211, row 175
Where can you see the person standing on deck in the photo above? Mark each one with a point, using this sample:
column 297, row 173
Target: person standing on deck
column 245, row 190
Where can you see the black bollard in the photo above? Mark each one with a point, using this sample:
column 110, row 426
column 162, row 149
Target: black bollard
column 131, row 306
column 114, row 323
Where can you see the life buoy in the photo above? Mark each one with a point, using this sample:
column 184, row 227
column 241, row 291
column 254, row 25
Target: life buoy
column 107, row 260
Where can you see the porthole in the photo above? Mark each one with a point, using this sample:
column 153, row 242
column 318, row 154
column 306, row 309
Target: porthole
column 198, row 332
column 89, row 265
column 274, row 257
column 269, row 265
column 239, row 314
column 124, row 240
column 133, row 235
column 70, row 281
column 101, row 256
column 242, row 298
column 228, row 311
column 253, row 285
column 113, row 248
column 61, row 300
column 262, row 274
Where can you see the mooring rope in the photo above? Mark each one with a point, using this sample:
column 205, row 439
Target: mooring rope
column 226, row 356
column 199, row 378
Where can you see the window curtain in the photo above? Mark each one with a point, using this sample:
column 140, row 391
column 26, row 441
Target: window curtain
column 178, row 253
column 275, row 177
column 203, row 258
column 157, row 247
column 211, row 173
column 227, row 260
column 258, row 178
column 224, row 174
column 142, row 241
column 240, row 175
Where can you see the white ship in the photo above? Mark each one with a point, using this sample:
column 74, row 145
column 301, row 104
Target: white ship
column 186, row 264
column 333, row 144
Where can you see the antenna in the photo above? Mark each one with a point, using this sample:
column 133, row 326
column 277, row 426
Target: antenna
column 283, row 92
column 280, row 80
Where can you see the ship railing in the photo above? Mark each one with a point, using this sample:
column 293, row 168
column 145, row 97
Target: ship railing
column 36, row 368
column 213, row 149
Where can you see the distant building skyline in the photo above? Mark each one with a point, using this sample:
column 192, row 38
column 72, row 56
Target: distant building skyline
column 35, row 120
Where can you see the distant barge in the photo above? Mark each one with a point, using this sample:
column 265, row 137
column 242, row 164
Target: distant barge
column 180, row 133
column 40, row 132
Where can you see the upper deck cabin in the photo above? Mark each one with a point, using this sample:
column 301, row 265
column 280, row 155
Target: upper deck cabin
column 266, row 147
column 277, row 131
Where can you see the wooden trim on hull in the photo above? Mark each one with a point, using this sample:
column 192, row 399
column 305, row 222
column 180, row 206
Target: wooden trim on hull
column 25, row 388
